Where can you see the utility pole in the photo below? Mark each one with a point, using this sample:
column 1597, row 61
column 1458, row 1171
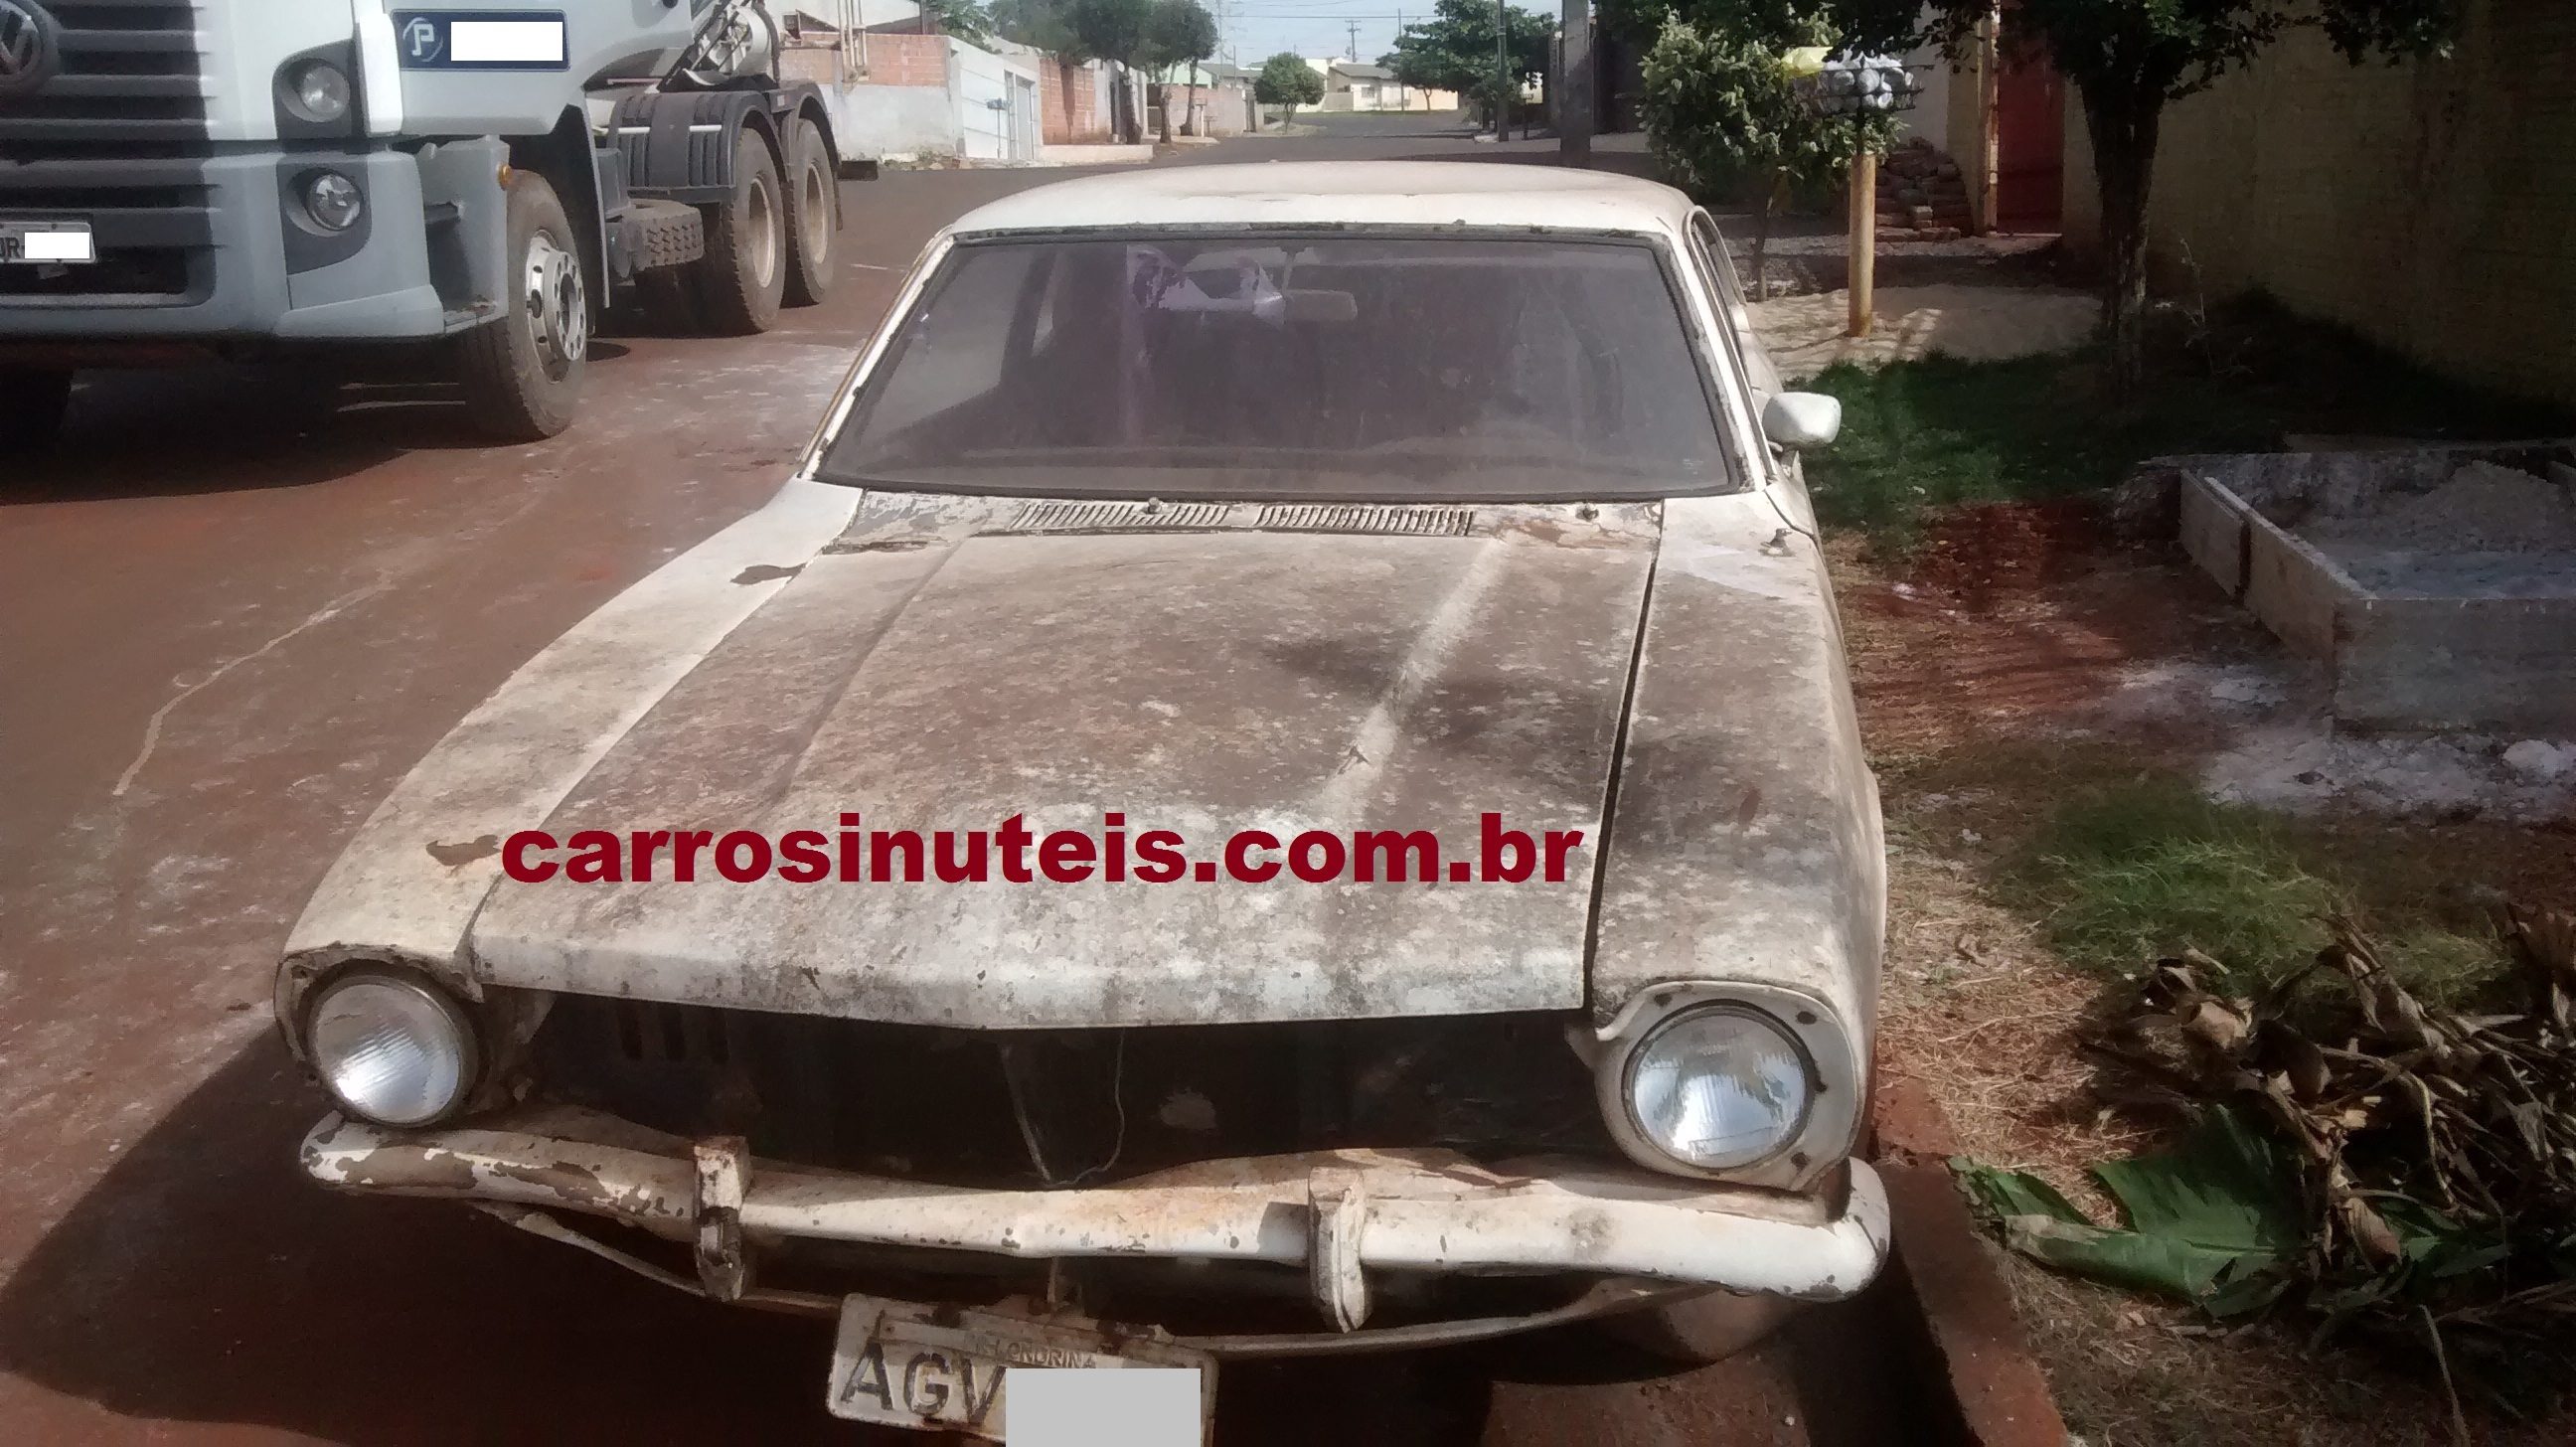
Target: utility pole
column 1502, row 71
column 1403, row 102
column 1573, row 85
column 1355, row 42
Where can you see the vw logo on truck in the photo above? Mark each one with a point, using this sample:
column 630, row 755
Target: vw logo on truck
column 26, row 48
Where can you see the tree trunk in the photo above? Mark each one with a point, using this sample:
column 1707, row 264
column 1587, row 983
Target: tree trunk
column 1167, row 113
column 2123, row 129
column 1192, row 115
column 1762, row 231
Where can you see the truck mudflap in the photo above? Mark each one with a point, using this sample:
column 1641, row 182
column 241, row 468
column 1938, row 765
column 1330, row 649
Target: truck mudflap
column 1338, row 1214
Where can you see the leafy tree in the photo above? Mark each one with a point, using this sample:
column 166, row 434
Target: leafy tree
column 965, row 19
column 2128, row 60
column 1720, row 107
column 1454, row 50
column 1179, row 32
column 1038, row 23
column 1115, row 31
column 1287, row 81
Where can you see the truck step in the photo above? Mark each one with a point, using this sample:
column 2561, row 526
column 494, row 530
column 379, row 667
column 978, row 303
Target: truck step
column 662, row 233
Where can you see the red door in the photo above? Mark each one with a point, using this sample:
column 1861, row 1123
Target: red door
column 2030, row 146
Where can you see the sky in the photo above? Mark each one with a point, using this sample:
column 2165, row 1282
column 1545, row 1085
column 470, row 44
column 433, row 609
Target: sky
column 1258, row 29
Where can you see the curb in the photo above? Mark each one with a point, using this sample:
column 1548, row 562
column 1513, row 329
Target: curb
column 1951, row 1288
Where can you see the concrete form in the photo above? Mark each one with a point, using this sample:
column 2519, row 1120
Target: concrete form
column 2422, row 650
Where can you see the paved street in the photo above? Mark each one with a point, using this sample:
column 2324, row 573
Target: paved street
column 232, row 622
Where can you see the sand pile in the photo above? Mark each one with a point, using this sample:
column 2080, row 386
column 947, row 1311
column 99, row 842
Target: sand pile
column 2484, row 508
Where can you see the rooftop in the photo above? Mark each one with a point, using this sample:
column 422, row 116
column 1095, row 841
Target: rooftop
column 1339, row 193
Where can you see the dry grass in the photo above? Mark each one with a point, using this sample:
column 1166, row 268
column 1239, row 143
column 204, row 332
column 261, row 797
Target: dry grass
column 1983, row 711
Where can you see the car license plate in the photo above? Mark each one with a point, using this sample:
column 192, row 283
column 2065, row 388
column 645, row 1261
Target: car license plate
column 46, row 241
column 941, row 1369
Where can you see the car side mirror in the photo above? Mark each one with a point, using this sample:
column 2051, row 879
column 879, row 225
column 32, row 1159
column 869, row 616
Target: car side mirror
column 1801, row 421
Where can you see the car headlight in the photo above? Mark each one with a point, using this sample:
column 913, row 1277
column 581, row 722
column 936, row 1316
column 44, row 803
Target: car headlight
column 317, row 91
column 1719, row 1087
column 333, row 200
column 392, row 1050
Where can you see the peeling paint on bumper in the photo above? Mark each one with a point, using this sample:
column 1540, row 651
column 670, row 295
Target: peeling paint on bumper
column 1420, row 1211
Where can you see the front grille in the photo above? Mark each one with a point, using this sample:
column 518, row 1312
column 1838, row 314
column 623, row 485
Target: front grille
column 1097, row 1106
column 116, row 139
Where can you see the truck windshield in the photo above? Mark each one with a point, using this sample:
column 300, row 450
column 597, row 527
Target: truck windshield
column 1361, row 367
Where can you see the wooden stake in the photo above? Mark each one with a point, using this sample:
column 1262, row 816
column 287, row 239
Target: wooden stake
column 1864, row 238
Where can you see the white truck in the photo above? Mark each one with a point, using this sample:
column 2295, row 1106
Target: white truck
column 259, row 178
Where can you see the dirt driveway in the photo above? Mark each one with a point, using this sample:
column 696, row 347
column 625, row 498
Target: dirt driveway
column 231, row 626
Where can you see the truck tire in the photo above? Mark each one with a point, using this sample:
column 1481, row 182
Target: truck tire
column 522, row 372
column 813, row 215
column 743, row 276
column 32, row 401
column 1698, row 1330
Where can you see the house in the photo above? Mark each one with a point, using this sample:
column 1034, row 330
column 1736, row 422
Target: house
column 910, row 92
column 1225, row 106
column 1358, row 85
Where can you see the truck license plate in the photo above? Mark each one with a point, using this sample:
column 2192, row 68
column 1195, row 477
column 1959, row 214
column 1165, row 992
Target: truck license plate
column 46, row 241
column 941, row 1369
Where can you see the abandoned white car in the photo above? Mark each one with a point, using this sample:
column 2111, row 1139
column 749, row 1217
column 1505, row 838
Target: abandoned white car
column 1280, row 780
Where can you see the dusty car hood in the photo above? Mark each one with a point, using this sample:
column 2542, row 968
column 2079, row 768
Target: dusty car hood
column 944, row 663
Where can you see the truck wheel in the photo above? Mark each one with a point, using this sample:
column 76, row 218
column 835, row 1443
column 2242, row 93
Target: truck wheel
column 744, row 273
column 1699, row 1330
column 813, row 216
column 32, row 400
column 522, row 373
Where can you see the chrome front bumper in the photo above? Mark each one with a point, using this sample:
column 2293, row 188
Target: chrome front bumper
column 1336, row 1214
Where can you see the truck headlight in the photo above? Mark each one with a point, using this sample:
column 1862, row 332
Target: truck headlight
column 1719, row 1087
column 317, row 91
column 333, row 201
column 392, row 1050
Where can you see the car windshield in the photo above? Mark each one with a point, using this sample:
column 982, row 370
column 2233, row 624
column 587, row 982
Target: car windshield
column 1340, row 368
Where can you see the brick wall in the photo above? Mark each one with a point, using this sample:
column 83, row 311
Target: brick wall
column 902, row 59
column 2430, row 206
column 1069, row 104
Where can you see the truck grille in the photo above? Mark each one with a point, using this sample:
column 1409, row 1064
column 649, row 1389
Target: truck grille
column 985, row 1108
column 116, row 138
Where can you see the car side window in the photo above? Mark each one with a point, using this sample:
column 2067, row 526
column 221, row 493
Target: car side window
column 1708, row 253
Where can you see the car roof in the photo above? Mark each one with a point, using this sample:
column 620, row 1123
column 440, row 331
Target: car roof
column 1342, row 193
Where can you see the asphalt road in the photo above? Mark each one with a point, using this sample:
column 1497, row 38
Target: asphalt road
column 229, row 621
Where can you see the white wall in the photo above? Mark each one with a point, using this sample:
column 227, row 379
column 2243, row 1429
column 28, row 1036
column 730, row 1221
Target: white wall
column 1930, row 117
column 985, row 129
column 885, row 120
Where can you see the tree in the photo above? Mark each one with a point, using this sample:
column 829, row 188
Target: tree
column 2128, row 60
column 1454, row 50
column 1286, row 80
column 965, row 19
column 1719, row 108
column 1041, row 24
column 1115, row 31
column 1179, row 32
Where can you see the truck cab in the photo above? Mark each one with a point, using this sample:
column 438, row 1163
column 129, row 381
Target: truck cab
column 245, row 178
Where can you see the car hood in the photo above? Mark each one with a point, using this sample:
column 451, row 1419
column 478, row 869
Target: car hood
column 943, row 663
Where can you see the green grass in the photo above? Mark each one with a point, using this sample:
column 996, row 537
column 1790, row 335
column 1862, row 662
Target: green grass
column 2140, row 872
column 2126, row 874
column 1919, row 436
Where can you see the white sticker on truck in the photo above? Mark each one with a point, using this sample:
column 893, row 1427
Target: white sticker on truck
column 506, row 42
